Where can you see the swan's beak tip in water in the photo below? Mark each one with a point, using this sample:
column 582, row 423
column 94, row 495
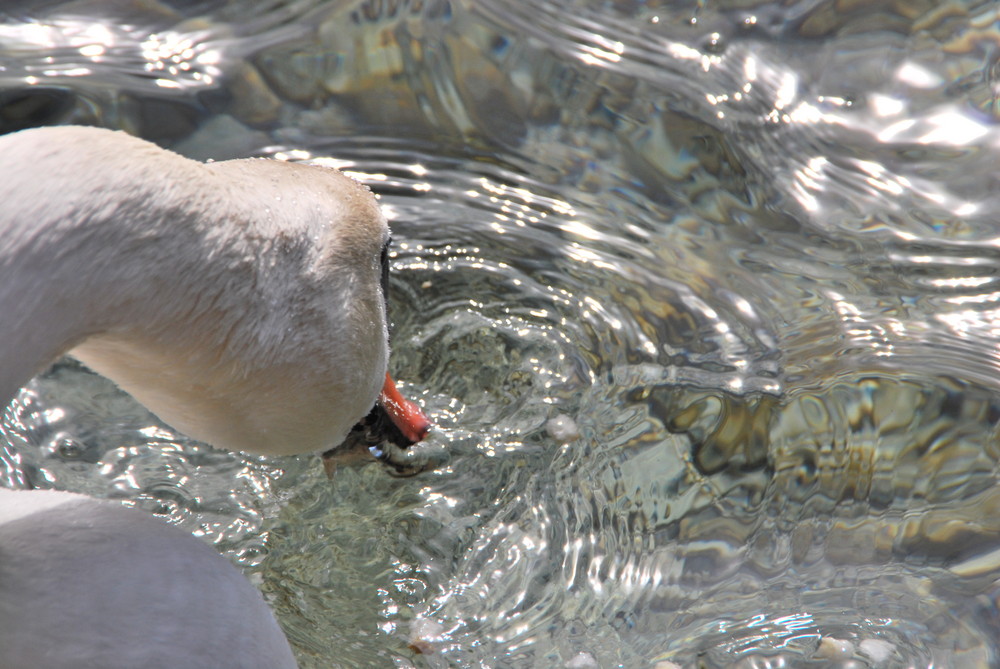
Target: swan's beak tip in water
column 392, row 426
column 408, row 418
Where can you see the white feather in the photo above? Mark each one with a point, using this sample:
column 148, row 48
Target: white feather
column 89, row 584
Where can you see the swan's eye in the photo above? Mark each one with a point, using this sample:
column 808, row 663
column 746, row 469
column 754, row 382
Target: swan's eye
column 385, row 272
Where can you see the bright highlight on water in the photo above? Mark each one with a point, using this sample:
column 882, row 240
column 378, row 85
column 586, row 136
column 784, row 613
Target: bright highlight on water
column 743, row 255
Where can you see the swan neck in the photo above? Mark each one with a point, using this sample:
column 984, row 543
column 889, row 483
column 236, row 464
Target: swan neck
column 88, row 237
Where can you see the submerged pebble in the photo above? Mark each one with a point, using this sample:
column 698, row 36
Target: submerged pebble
column 834, row 649
column 582, row 660
column 425, row 634
column 563, row 429
column 877, row 650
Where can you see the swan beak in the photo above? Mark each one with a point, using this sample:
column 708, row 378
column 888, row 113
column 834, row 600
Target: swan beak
column 406, row 416
column 393, row 425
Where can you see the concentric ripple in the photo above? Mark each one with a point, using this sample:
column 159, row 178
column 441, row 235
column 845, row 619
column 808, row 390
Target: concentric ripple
column 701, row 298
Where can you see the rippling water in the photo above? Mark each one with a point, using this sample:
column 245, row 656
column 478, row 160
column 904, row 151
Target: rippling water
column 703, row 298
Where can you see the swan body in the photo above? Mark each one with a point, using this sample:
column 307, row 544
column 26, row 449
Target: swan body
column 240, row 301
column 90, row 584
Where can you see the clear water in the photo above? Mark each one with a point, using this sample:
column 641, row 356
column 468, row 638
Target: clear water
column 704, row 298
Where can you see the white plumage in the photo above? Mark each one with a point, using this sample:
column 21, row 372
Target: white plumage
column 241, row 302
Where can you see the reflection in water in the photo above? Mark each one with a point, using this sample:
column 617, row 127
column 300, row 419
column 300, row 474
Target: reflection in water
column 744, row 254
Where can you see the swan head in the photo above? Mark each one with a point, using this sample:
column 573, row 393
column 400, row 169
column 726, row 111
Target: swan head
column 266, row 330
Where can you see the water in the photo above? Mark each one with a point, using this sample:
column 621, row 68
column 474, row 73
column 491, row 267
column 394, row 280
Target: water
column 743, row 254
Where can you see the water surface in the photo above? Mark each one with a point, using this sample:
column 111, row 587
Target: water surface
column 702, row 297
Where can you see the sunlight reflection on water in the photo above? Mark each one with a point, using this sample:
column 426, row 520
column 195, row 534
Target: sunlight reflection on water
column 747, row 250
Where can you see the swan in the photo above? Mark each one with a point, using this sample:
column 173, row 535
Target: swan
column 243, row 303
column 88, row 584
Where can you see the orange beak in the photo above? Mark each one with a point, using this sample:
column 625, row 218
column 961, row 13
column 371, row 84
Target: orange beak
column 404, row 414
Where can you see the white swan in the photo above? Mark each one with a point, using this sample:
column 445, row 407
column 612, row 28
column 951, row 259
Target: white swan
column 242, row 302
column 87, row 584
